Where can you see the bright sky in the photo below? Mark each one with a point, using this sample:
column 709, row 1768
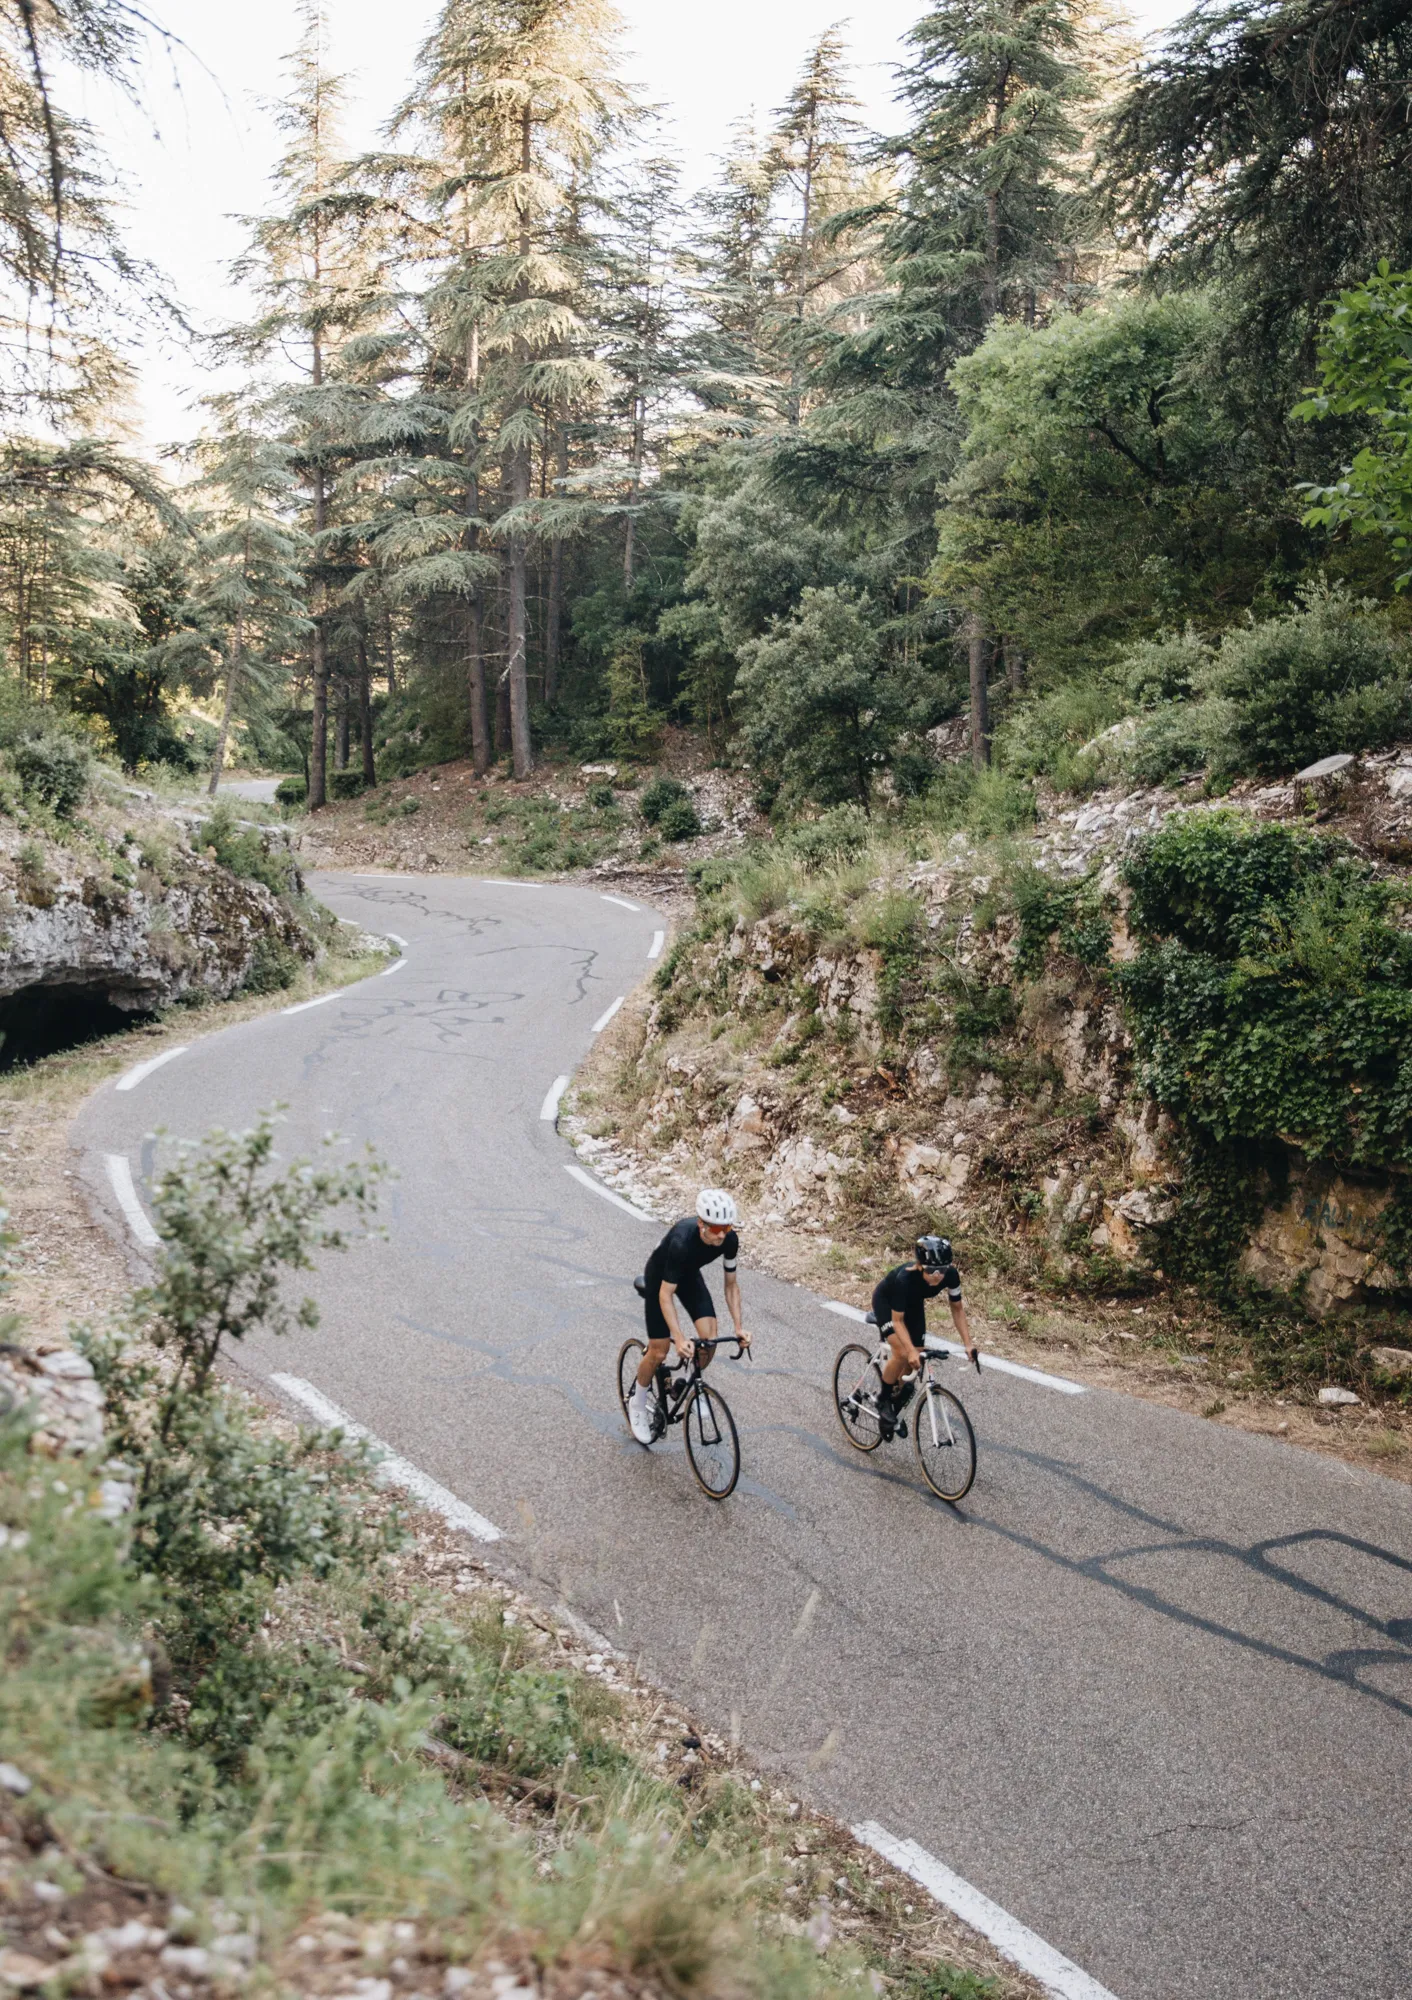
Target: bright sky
column 196, row 157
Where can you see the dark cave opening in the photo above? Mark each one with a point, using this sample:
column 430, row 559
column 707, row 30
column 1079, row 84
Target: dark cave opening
column 42, row 1021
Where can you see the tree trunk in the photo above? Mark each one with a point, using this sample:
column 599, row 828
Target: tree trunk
column 318, row 745
column 553, row 610
column 218, row 763
column 480, row 727
column 389, row 652
column 365, row 710
column 980, row 698
column 341, row 730
column 516, row 619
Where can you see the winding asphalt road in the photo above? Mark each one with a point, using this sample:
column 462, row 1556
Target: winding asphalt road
column 1149, row 1687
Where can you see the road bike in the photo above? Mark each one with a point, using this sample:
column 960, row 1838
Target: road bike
column 683, row 1396
column 941, row 1431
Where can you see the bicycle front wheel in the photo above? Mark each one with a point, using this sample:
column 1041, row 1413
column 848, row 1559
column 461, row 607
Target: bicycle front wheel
column 946, row 1444
column 629, row 1361
column 856, row 1382
column 711, row 1442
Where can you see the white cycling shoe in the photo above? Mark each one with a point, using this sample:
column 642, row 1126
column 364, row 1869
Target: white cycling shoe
column 640, row 1418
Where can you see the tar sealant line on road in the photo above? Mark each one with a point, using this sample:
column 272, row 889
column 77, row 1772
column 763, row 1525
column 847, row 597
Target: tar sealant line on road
column 1059, row 1976
column 621, row 901
column 135, row 1075
column 597, row 1187
column 392, row 1470
column 659, row 938
column 603, row 1019
column 549, row 1110
column 120, row 1175
column 1002, row 1367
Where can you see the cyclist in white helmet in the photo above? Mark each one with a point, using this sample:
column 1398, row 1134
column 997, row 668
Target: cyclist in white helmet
column 673, row 1283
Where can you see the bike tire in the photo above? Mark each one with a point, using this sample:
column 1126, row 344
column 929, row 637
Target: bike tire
column 945, row 1442
column 851, row 1373
column 629, row 1361
column 711, row 1442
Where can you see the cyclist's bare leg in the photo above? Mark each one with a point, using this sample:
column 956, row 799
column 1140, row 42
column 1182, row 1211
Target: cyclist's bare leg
column 902, row 1356
column 657, row 1352
column 706, row 1330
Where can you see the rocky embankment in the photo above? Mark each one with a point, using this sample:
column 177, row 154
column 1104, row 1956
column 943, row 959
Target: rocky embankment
column 129, row 904
column 978, row 1072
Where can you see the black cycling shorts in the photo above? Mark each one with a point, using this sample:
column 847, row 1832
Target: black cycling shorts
column 693, row 1298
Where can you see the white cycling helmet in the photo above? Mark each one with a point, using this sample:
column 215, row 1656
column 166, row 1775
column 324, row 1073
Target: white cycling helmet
column 715, row 1206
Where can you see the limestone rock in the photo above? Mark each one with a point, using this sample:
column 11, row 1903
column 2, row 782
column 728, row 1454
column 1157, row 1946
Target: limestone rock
column 1333, row 1398
column 1327, row 1232
column 1391, row 1360
column 59, row 1390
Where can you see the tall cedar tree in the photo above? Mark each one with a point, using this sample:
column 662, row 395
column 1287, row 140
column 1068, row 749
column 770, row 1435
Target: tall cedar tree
column 1268, row 143
column 519, row 97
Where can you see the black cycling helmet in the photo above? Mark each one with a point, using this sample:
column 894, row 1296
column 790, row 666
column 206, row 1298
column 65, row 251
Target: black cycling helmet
column 933, row 1252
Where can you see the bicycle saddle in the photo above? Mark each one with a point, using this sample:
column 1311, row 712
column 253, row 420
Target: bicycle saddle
column 870, row 1319
column 639, row 1285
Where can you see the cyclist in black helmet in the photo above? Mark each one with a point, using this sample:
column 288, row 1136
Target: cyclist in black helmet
column 900, row 1309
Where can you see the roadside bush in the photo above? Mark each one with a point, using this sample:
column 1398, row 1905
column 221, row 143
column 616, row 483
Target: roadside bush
column 1324, row 678
column 246, row 852
column 678, row 821
column 291, row 792
column 661, row 793
column 344, row 784
column 273, row 967
column 53, row 770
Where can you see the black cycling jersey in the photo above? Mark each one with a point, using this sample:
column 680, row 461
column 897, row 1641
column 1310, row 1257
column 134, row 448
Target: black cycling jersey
column 682, row 1253
column 906, row 1291
column 678, row 1260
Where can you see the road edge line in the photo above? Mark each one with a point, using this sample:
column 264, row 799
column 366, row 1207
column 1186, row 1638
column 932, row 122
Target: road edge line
column 120, row 1179
column 597, row 1187
column 622, row 903
column 392, row 1468
column 659, row 938
column 130, row 1079
column 1059, row 1976
column 1002, row 1367
column 302, row 1006
column 603, row 1019
column 549, row 1110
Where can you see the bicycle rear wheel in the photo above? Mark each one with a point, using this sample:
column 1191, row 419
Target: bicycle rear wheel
column 946, row 1444
column 711, row 1442
column 856, row 1376
column 629, row 1361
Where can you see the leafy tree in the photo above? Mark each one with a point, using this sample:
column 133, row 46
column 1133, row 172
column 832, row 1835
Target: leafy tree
column 820, row 711
column 126, row 671
column 1365, row 362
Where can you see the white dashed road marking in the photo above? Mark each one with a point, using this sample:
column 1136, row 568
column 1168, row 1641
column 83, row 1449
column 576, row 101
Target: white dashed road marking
column 603, row 1019
column 597, row 1187
column 120, row 1174
column 622, row 903
column 1059, row 1976
column 392, row 1470
column 136, row 1074
column 659, row 938
column 393, row 938
column 388, row 970
column 549, row 1110
column 1060, row 1382
column 302, row 1006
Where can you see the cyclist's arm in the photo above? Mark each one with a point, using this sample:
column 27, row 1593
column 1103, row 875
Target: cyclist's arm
column 962, row 1324
column 733, row 1306
column 667, row 1298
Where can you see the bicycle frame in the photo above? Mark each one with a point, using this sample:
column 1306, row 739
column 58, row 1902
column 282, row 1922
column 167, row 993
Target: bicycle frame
column 676, row 1395
column 922, row 1377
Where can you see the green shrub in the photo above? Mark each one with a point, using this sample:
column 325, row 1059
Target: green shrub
column 245, row 851
column 601, row 796
column 1167, row 742
column 54, row 771
column 1047, row 734
column 291, row 792
column 1324, row 678
column 661, row 793
column 678, row 821
column 346, row 784
column 273, row 967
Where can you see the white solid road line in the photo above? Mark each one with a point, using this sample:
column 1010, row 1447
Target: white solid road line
column 622, row 903
column 135, row 1075
column 549, row 1110
column 392, row 1470
column 120, row 1174
column 1059, row 1976
column 659, row 938
column 603, row 1019
column 597, row 1187
column 501, row 882
column 303, row 1006
column 1060, row 1382
column 393, row 938
column 388, row 970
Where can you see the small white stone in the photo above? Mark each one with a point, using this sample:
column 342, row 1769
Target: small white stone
column 192, row 1959
column 457, row 1979
column 13, row 1779
column 1338, row 1399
